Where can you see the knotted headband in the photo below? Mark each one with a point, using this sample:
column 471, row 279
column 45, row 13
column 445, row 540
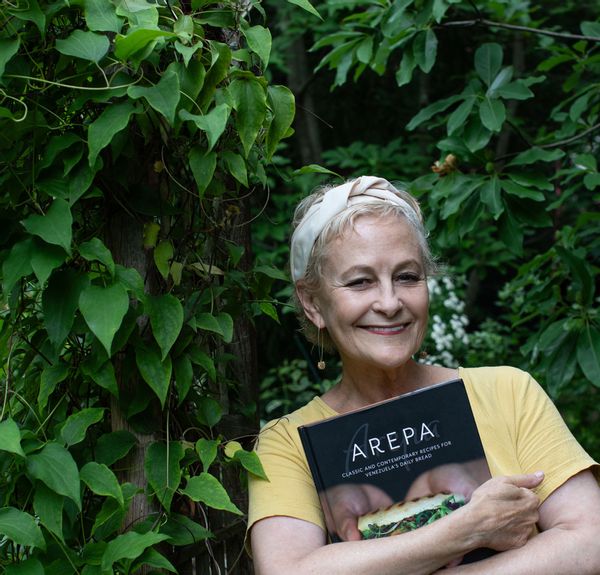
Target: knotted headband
column 333, row 202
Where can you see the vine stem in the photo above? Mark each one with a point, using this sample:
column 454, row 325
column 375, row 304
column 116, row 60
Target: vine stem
column 505, row 25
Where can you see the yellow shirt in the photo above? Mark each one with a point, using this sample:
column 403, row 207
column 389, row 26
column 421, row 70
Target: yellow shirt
column 520, row 428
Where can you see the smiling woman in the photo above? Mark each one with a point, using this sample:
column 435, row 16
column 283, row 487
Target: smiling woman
column 360, row 263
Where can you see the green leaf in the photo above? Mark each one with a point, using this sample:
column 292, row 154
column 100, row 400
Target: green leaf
column 103, row 309
column 166, row 318
column 18, row 264
column 45, row 258
column 488, row 60
column 55, row 467
column 163, row 97
column 213, row 123
column 250, row 102
column 137, row 40
column 102, row 375
column 51, row 376
column 201, row 358
column 519, row 191
column 114, row 446
column 425, row 50
column 48, row 506
column 130, row 545
column 306, row 5
column 155, row 372
column 236, row 166
column 314, row 169
column 184, row 376
column 207, row 451
column 30, row 566
column 104, row 128
column 259, row 41
column 432, row 110
column 209, row 411
column 221, row 324
column 492, row 114
column 250, row 462
column 534, row 155
column 407, row 67
column 491, row 196
column 75, row 427
column 101, row 481
column 85, row 45
column 163, row 470
column 183, row 531
column 206, row 489
column 151, row 557
column 10, row 437
column 8, row 48
column 515, row 91
column 581, row 273
column 588, row 353
column 60, row 301
column 101, row 16
column 283, row 106
column 21, row 528
column 55, row 226
column 95, row 250
column 203, row 167
column 458, row 118
column 163, row 254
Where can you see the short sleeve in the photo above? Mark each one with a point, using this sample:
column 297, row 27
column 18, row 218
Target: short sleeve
column 544, row 441
column 289, row 490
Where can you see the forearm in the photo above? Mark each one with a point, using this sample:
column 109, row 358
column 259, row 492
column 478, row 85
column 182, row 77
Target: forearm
column 560, row 551
column 420, row 552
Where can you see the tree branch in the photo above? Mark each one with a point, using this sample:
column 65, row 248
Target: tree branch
column 492, row 24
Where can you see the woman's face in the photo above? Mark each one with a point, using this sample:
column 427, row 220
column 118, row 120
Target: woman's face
column 373, row 297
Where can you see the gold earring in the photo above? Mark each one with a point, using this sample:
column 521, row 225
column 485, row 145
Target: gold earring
column 321, row 362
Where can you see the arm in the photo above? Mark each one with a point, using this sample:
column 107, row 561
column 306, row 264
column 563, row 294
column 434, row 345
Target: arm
column 568, row 543
column 500, row 515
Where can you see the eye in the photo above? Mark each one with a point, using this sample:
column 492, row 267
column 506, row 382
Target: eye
column 358, row 282
column 408, row 277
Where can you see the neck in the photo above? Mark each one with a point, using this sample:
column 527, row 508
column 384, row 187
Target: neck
column 361, row 387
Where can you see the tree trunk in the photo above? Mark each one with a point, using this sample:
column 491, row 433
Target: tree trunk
column 125, row 240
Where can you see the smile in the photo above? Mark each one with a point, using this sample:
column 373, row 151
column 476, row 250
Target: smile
column 387, row 330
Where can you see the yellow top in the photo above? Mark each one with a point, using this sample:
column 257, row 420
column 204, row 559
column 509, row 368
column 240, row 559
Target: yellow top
column 520, row 428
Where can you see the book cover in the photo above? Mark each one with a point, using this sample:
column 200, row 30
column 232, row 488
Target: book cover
column 423, row 448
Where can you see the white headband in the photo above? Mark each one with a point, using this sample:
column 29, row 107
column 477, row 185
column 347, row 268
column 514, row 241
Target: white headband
column 333, row 202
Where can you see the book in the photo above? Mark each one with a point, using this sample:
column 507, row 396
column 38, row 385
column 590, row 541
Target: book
column 422, row 447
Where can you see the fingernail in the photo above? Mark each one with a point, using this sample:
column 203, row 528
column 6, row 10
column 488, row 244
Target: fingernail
column 539, row 474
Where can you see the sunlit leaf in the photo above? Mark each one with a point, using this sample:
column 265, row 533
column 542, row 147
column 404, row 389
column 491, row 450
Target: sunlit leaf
column 103, row 309
column 206, row 489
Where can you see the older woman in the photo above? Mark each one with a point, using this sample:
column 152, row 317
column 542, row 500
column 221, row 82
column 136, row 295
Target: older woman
column 360, row 261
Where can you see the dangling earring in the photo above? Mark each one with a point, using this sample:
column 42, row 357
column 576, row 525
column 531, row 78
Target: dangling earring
column 321, row 362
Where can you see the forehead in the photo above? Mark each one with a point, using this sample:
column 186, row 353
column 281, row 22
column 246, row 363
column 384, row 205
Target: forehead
column 371, row 237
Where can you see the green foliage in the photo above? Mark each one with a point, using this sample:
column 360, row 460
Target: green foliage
column 130, row 134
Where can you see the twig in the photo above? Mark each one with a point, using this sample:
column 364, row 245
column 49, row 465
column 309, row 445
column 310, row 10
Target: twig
column 492, row 24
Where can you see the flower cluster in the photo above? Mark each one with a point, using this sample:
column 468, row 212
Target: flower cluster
column 448, row 340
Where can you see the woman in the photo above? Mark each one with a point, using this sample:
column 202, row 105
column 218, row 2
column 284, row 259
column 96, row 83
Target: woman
column 359, row 261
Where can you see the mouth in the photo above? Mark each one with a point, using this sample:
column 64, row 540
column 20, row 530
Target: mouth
column 386, row 329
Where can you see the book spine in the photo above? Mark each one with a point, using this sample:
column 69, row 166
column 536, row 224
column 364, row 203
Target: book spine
column 312, row 460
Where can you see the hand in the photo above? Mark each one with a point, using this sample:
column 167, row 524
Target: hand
column 346, row 503
column 504, row 511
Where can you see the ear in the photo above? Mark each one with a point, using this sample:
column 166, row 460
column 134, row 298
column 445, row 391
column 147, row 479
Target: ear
column 310, row 304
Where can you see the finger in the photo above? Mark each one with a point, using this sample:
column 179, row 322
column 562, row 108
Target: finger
column 529, row 480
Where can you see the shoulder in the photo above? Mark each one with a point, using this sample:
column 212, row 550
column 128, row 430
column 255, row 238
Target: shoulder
column 285, row 428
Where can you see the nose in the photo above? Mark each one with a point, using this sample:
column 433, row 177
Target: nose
column 388, row 300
